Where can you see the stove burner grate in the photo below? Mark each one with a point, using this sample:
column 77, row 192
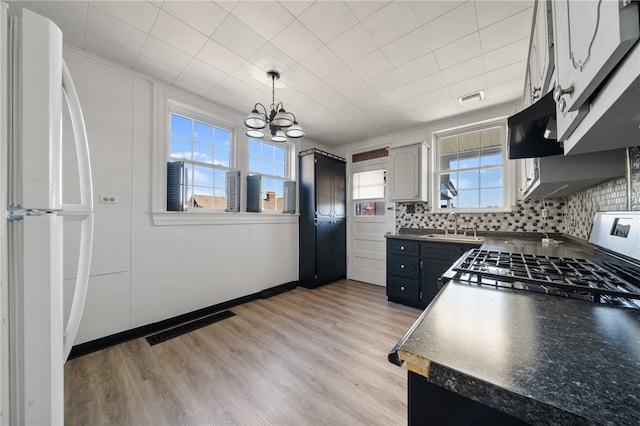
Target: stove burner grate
column 578, row 278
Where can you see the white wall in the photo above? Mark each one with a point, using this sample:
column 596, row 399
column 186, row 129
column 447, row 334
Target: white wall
column 425, row 131
column 143, row 273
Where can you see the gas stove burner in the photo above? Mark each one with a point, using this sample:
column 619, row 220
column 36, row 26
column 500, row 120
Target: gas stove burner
column 567, row 277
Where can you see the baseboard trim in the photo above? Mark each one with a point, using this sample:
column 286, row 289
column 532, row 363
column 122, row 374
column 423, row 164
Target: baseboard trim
column 142, row 331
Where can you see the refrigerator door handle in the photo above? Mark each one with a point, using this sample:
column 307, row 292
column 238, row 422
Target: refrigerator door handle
column 82, row 279
column 82, row 145
column 83, row 211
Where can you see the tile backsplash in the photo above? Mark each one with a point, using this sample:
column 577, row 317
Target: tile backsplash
column 572, row 215
column 526, row 217
column 608, row 196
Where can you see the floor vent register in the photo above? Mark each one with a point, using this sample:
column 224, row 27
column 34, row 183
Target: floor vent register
column 181, row 329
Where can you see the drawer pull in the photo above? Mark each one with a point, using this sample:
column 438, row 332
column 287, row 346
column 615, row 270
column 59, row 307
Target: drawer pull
column 402, row 248
column 401, row 266
column 402, row 288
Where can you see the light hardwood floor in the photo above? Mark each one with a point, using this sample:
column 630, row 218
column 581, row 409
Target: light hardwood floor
column 305, row 357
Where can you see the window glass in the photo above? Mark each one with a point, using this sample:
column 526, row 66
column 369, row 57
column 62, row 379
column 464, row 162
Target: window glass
column 471, row 169
column 206, row 150
column 270, row 161
column 368, row 185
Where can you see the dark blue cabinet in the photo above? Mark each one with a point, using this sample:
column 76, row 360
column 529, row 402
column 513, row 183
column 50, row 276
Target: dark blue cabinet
column 322, row 226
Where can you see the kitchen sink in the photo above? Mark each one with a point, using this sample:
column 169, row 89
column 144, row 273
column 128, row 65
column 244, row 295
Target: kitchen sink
column 456, row 238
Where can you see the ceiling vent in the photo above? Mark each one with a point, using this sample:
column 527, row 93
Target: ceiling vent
column 471, row 98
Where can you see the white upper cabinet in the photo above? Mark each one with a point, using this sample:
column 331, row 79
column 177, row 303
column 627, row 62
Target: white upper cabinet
column 540, row 51
column 408, row 173
column 591, row 37
column 528, row 173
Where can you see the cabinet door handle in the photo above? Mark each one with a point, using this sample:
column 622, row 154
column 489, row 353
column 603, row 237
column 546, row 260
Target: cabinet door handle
column 402, row 288
column 402, row 248
column 402, row 266
column 558, row 92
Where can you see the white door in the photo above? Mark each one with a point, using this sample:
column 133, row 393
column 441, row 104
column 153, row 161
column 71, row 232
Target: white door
column 371, row 217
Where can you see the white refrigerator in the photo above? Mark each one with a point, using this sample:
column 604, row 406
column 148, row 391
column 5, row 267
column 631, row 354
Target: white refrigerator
column 34, row 339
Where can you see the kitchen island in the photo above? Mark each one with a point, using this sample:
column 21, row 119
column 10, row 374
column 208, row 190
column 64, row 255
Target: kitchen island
column 531, row 357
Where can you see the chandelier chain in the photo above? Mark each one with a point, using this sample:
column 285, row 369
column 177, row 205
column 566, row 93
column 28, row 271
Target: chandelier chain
column 273, row 91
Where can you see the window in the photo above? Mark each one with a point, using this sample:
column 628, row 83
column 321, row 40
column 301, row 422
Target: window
column 270, row 161
column 206, row 151
column 472, row 169
column 369, row 185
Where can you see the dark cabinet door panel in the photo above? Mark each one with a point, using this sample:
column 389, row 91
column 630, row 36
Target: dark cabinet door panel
column 339, row 248
column 324, row 188
column 433, row 270
column 339, row 189
column 324, row 255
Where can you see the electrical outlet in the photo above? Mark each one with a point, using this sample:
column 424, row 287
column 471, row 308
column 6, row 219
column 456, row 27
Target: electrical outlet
column 544, row 213
column 108, row 199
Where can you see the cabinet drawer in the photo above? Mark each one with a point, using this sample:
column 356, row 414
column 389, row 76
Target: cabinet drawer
column 404, row 247
column 405, row 266
column 404, row 288
column 440, row 250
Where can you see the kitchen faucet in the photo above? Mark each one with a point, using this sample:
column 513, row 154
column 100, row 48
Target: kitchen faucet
column 455, row 222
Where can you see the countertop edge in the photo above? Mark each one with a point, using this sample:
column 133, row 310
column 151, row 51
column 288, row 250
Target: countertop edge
column 520, row 406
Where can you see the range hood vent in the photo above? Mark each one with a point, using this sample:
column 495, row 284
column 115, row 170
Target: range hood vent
column 532, row 131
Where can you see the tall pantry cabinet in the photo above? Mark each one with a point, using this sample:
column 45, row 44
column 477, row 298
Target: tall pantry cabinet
column 323, row 227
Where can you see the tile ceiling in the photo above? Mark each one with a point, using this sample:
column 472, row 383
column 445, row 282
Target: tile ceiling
column 350, row 69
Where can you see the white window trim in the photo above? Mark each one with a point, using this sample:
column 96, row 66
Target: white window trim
column 168, row 100
column 509, row 184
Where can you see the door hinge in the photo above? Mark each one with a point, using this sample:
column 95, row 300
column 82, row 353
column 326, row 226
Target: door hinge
column 16, row 212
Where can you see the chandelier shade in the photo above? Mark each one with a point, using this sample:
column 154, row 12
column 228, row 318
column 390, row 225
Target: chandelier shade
column 295, row 131
column 255, row 133
column 282, row 124
column 255, row 120
column 279, row 136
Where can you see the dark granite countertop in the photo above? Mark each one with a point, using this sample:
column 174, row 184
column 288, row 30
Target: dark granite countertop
column 519, row 242
column 544, row 359
column 541, row 358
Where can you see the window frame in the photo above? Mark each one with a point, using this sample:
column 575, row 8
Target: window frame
column 165, row 97
column 208, row 120
column 288, row 169
column 508, row 167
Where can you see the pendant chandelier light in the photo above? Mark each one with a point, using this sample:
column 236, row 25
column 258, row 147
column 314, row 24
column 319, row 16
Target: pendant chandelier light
column 282, row 124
